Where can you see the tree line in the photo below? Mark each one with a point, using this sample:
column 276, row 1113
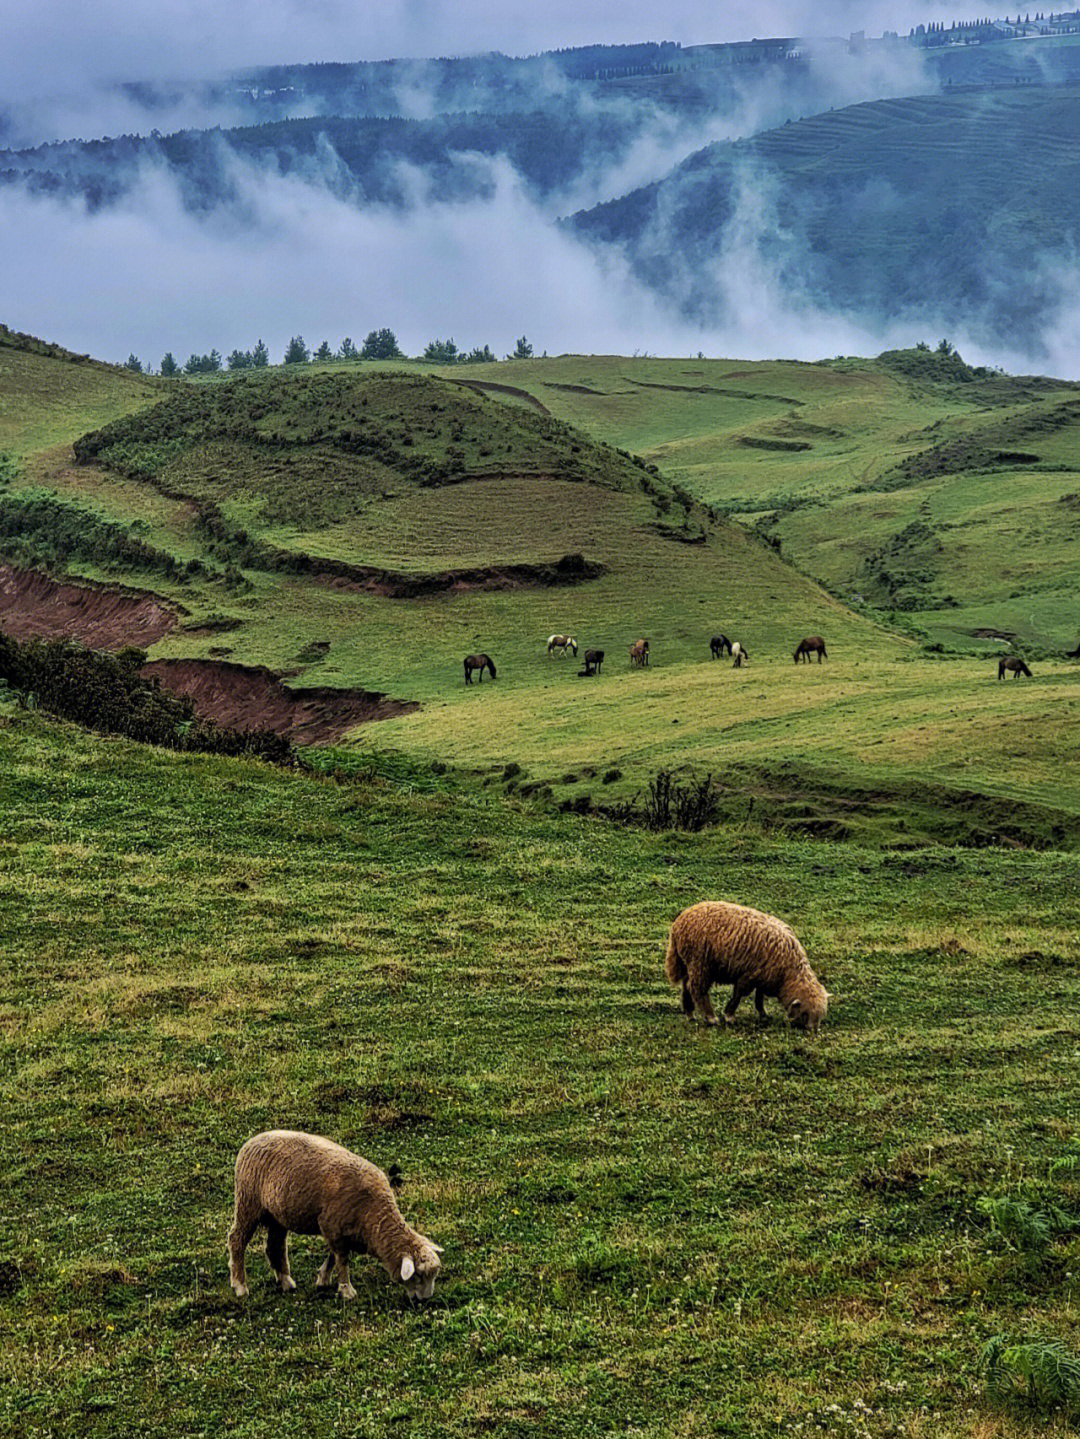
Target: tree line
column 379, row 345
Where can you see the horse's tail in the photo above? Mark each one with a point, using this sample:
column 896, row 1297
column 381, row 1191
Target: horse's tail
column 673, row 965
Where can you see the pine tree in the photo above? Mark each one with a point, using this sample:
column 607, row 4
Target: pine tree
column 297, row 352
column 169, row 367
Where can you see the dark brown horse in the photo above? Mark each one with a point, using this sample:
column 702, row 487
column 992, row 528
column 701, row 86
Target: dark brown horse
column 718, row 644
column 639, row 653
column 481, row 663
column 1015, row 665
column 593, row 660
column 812, row 645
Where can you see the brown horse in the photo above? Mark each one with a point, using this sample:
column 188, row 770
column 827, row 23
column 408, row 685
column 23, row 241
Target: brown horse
column 812, row 645
column 593, row 660
column 639, row 653
column 1015, row 665
column 481, row 663
column 718, row 644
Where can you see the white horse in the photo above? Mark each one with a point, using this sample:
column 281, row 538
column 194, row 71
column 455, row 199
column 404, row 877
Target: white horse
column 562, row 643
column 738, row 654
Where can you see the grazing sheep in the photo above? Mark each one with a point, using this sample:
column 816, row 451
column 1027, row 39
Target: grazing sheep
column 718, row 943
column 287, row 1180
column 738, row 654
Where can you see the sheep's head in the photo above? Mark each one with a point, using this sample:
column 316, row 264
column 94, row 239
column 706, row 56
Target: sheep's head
column 419, row 1270
column 808, row 1012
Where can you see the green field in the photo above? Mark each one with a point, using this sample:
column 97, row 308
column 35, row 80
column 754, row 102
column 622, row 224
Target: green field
column 444, row 947
column 649, row 1227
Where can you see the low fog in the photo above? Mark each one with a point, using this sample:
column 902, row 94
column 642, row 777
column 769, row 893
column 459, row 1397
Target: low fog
column 148, row 276
column 62, row 61
column 304, row 253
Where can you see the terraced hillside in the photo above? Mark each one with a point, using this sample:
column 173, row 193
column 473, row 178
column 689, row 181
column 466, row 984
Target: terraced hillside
column 356, row 531
column 913, row 483
column 931, row 206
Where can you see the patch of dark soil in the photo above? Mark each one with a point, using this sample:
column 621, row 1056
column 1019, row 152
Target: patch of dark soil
column 10, row 1276
column 900, row 1179
column 34, row 606
column 243, row 698
column 573, row 389
column 673, row 532
column 992, row 634
column 569, row 570
column 756, row 442
column 481, row 385
column 720, row 390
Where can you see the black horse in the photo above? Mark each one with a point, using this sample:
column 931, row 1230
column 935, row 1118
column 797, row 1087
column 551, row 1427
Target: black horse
column 718, row 644
column 593, row 660
column 1014, row 664
column 481, row 663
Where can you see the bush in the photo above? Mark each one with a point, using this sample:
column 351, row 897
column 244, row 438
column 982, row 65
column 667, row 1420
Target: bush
column 108, row 693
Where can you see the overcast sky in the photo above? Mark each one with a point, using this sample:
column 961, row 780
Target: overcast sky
column 148, row 275
column 67, row 45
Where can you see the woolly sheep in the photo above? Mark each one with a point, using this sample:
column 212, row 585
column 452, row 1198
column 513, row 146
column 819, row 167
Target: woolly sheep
column 718, row 943
column 288, row 1180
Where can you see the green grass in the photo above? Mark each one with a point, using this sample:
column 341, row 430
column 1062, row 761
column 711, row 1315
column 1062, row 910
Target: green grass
column 648, row 1227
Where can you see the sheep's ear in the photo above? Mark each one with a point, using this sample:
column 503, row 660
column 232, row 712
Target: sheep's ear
column 795, row 1006
column 408, row 1268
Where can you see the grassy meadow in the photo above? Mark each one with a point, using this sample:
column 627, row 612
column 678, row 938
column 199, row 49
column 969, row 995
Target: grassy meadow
column 649, row 1227
column 432, row 946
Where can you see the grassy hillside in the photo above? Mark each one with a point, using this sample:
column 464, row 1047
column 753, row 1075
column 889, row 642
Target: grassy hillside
column 890, row 208
column 648, row 1226
column 913, row 483
column 48, row 395
column 367, row 527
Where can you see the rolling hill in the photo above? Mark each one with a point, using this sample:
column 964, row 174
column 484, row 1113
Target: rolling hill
column 351, row 531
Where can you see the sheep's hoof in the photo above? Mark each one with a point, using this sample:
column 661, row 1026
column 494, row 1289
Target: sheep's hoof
column 322, row 1281
column 288, row 1283
column 346, row 1291
column 241, row 1290
column 715, row 1021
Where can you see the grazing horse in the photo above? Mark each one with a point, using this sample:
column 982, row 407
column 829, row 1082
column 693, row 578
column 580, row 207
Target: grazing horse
column 718, row 644
column 812, row 645
column 1016, row 665
column 738, row 654
column 562, row 643
column 639, row 653
column 481, row 663
column 593, row 660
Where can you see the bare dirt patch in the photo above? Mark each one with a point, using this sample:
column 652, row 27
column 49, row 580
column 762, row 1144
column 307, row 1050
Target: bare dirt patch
column 245, row 698
column 34, row 606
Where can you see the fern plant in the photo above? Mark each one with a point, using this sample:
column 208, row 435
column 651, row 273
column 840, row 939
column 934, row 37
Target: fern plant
column 1042, row 1372
column 1020, row 1224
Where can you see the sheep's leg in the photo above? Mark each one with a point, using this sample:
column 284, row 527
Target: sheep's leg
column 759, row 1004
column 687, row 1001
column 244, row 1226
column 344, row 1285
column 742, row 988
column 701, row 999
column 322, row 1279
column 277, row 1252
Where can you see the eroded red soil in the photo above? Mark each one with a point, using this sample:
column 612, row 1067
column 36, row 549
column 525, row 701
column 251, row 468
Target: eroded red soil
column 245, row 698
column 33, row 605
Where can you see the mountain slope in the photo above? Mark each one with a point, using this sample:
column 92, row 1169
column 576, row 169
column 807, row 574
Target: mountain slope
column 929, row 206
